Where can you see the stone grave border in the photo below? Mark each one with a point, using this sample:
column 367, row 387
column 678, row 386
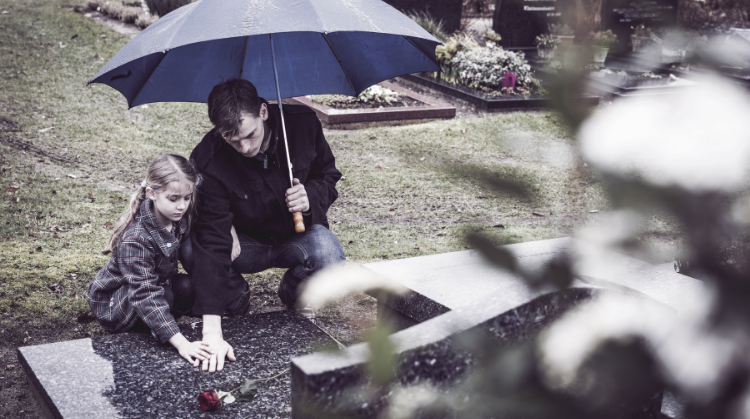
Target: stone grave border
column 486, row 102
column 359, row 118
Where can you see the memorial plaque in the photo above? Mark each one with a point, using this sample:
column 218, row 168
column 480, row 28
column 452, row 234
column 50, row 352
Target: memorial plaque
column 621, row 16
column 520, row 21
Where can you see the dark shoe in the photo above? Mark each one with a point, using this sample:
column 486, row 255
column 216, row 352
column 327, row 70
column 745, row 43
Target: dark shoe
column 244, row 306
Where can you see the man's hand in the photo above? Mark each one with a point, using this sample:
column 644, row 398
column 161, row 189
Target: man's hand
column 296, row 198
column 213, row 337
column 236, row 248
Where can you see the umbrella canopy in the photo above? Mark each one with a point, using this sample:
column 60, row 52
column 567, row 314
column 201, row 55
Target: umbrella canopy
column 321, row 46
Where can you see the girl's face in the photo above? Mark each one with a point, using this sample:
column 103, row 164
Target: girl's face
column 171, row 202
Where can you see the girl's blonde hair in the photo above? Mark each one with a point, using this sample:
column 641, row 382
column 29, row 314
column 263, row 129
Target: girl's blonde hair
column 163, row 170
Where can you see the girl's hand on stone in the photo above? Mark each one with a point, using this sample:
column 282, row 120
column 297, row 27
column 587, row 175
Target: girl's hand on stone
column 193, row 352
column 236, row 249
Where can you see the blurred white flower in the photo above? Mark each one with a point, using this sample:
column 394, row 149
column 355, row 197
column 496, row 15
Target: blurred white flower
column 698, row 139
column 693, row 356
column 336, row 282
column 405, row 401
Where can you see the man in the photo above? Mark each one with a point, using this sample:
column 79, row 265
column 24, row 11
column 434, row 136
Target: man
column 246, row 189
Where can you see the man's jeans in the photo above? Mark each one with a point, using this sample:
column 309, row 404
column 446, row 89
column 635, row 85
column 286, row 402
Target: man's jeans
column 304, row 254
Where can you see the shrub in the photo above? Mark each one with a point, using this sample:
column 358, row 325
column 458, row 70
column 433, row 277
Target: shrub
column 446, row 53
column 430, row 24
column 145, row 19
column 93, row 4
column 162, row 7
column 484, row 68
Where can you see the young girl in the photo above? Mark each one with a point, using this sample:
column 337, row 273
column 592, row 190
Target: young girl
column 139, row 286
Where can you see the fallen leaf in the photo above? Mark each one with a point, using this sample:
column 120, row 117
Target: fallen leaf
column 72, row 176
column 498, row 226
column 392, row 209
column 54, row 192
column 10, row 190
column 39, row 248
column 378, row 167
column 109, row 224
column 91, row 197
column 66, row 244
column 17, row 199
column 46, row 129
column 10, row 367
column 55, row 286
column 538, row 214
column 74, row 36
column 57, row 236
column 62, row 45
column 103, row 35
column 5, row 12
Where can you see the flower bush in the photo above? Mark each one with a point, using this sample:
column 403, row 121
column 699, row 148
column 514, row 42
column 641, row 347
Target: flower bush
column 561, row 29
column 603, row 39
column 484, row 68
column 546, row 41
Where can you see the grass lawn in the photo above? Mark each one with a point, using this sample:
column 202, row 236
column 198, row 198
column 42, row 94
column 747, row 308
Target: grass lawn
column 70, row 156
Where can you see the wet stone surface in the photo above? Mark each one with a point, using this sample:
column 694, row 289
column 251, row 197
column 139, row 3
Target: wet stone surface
column 131, row 375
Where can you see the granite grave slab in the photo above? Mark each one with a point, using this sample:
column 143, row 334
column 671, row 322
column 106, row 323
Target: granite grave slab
column 130, row 375
column 457, row 293
column 488, row 102
column 433, row 279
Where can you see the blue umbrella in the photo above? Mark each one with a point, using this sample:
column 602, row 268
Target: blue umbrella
column 286, row 48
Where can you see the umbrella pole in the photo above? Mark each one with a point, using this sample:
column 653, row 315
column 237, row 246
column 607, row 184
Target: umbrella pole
column 299, row 224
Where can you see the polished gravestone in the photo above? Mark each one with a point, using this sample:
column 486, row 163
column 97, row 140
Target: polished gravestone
column 130, row 375
column 620, row 16
column 440, row 283
column 456, row 293
column 519, row 22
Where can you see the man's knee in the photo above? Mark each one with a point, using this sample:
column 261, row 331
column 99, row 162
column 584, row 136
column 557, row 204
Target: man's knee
column 186, row 254
column 326, row 249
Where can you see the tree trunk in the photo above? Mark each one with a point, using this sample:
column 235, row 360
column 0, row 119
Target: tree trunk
column 589, row 18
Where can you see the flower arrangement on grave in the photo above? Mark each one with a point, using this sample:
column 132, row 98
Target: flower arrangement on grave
column 491, row 37
column 561, row 29
column 374, row 95
column 485, row 69
column 447, row 52
column 605, row 39
column 642, row 37
column 545, row 45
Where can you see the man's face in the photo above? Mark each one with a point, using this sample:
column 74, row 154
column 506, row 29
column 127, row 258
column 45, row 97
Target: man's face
column 251, row 134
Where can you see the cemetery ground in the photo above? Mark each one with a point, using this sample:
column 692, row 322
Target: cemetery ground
column 70, row 156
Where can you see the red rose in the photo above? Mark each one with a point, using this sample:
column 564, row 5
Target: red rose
column 209, row 400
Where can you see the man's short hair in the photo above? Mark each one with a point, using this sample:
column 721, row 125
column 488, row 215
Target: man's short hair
column 225, row 102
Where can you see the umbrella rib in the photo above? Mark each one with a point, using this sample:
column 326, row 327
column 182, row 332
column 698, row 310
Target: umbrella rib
column 149, row 76
column 340, row 64
column 419, row 49
column 242, row 66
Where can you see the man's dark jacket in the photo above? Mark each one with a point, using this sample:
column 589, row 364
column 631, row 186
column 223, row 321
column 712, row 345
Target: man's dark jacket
column 249, row 193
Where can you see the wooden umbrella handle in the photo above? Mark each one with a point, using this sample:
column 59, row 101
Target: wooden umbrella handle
column 299, row 224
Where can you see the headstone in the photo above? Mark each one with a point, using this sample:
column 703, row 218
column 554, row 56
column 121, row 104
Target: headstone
column 455, row 293
column 520, row 21
column 447, row 11
column 621, row 16
column 130, row 375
